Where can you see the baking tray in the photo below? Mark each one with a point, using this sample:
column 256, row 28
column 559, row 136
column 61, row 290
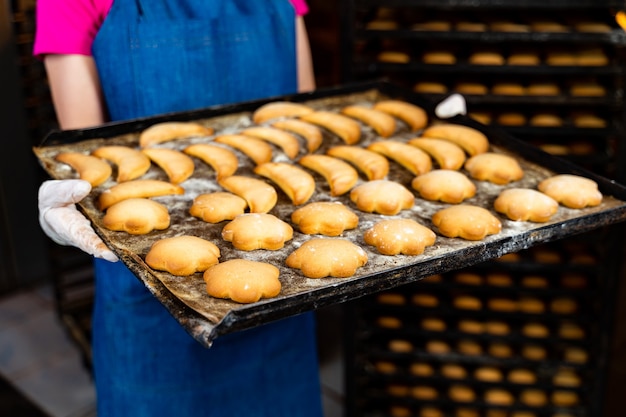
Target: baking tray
column 206, row 318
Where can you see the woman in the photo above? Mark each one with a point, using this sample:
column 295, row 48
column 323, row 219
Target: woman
column 133, row 58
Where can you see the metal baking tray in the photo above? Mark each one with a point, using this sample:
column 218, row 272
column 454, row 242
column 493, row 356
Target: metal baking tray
column 206, row 318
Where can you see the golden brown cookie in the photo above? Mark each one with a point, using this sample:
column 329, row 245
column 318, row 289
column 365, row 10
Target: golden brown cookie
column 182, row 255
column 467, row 222
column 136, row 216
column 524, row 204
column 279, row 109
column 471, row 140
column 295, row 182
column 494, row 167
column 284, row 140
column 346, row 128
column 414, row 116
column 444, row 185
column 137, row 188
column 310, row 132
column 572, row 191
column 242, row 280
column 223, row 161
column 256, row 149
column 89, row 168
column 448, row 155
column 324, row 218
column 167, row 131
column 177, row 166
column 410, row 157
column 130, row 162
column 217, row 207
column 381, row 122
column 339, row 175
column 399, row 236
column 251, row 231
column 260, row 196
column 323, row 257
column 372, row 164
column 382, row 196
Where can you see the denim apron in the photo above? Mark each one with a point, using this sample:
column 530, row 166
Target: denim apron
column 157, row 56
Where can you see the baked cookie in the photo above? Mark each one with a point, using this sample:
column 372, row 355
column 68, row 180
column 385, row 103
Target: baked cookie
column 130, row 162
column 167, row 131
column 346, row 128
column 323, row 257
column 251, row 231
column 467, row 222
column 448, row 155
column 217, row 207
column 89, row 168
column 414, row 116
column 410, row 157
column 182, row 255
column 136, row 216
column 339, row 175
column 311, row 133
column 494, row 167
column 471, row 140
column 524, row 204
column 284, row 140
column 382, row 196
column 572, row 191
column 177, row 166
column 381, row 122
column 279, row 109
column 139, row 189
column 256, row 149
column 295, row 182
column 372, row 164
column 260, row 196
column 242, row 280
column 324, row 218
column 444, row 185
column 399, row 236
column 223, row 161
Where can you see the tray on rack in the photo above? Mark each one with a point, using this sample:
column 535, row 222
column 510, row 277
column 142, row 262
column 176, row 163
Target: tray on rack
column 206, row 318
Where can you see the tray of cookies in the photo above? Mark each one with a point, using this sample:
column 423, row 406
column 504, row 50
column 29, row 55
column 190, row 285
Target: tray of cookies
column 234, row 216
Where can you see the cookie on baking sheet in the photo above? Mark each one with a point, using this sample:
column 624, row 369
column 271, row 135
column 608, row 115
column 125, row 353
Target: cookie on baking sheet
column 284, row 140
column 444, row 185
column 382, row 196
column 218, row 206
column 308, row 131
column 182, row 255
column 242, row 280
column 467, row 222
column 137, row 188
column 223, row 161
column 414, row 116
column 524, row 204
column 382, row 123
column 88, row 167
column 399, row 236
column 295, row 182
column 344, row 127
column 325, row 218
column 448, row 155
column 339, row 175
column 572, row 191
column 176, row 164
column 130, row 162
column 324, row 257
column 279, row 109
column 251, row 231
column 167, row 131
column 494, row 167
column 471, row 140
column 372, row 164
column 410, row 157
column 136, row 216
column 260, row 196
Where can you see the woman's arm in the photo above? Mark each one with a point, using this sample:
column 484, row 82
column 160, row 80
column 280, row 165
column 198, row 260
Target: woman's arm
column 306, row 78
column 75, row 89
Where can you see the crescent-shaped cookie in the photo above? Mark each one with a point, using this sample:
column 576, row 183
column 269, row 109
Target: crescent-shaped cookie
column 182, row 255
column 176, row 164
column 414, row 116
column 311, row 133
column 223, row 161
column 447, row 154
column 381, row 122
column 471, row 140
column 89, row 168
column 494, row 167
column 339, row 175
column 295, row 182
column 136, row 216
column 467, row 222
column 399, row 236
column 444, row 185
column 329, row 218
column 166, row 131
column 260, row 196
column 285, row 140
column 372, row 164
column 137, row 189
column 254, row 148
column 382, row 196
column 414, row 159
column 572, row 191
column 279, row 109
column 346, row 128
column 524, row 204
column 323, row 257
column 131, row 163
column 252, row 231
column 217, row 207
column 242, row 280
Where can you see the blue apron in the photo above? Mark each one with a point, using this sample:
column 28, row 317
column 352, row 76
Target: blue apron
column 157, row 56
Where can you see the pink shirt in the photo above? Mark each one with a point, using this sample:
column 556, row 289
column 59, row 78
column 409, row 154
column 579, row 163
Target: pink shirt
column 70, row 26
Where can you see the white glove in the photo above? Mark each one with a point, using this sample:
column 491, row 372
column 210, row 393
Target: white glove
column 62, row 222
column 451, row 106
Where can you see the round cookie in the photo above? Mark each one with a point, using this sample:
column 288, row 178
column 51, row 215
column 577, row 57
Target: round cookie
column 251, row 231
column 444, row 185
column 182, row 255
column 572, row 191
column 524, row 204
column 494, row 167
column 323, row 257
column 136, row 216
column 242, row 280
column 382, row 196
column 324, row 218
column 217, row 207
column 467, row 222
column 399, row 236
